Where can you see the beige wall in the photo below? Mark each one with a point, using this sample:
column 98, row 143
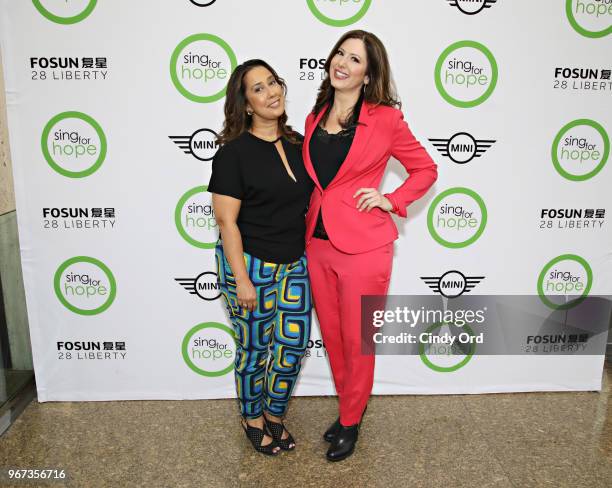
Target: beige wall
column 10, row 263
column 7, row 193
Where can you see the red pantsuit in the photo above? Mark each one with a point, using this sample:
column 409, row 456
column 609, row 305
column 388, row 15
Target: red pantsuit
column 338, row 280
column 356, row 260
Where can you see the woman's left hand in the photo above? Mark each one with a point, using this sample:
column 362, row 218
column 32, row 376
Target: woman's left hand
column 370, row 198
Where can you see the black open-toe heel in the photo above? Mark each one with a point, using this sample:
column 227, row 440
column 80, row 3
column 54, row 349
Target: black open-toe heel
column 256, row 436
column 276, row 429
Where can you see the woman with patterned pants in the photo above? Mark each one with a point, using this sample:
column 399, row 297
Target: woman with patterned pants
column 276, row 332
column 260, row 193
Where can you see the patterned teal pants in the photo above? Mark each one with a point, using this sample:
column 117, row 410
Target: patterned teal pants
column 271, row 340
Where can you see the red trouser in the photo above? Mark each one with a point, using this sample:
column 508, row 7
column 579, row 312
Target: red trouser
column 338, row 280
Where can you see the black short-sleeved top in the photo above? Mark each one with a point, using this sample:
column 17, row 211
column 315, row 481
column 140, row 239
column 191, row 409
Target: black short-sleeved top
column 272, row 214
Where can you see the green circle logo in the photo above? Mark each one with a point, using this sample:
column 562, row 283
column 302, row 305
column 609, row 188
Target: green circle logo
column 452, row 219
column 470, row 77
column 73, row 144
column 212, row 353
column 339, row 13
column 200, row 67
column 573, row 277
column 446, row 369
column 590, row 18
column 62, row 12
column 580, row 150
column 195, row 218
column 85, row 285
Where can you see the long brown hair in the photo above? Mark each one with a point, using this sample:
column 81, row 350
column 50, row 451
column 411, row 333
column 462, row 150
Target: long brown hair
column 237, row 121
column 379, row 91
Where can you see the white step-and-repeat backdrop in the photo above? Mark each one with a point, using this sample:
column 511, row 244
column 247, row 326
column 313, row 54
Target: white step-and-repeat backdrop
column 113, row 107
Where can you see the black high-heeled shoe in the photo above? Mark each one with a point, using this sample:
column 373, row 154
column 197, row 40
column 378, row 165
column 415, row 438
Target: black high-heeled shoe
column 345, row 440
column 256, row 435
column 276, row 429
column 344, row 443
column 334, row 428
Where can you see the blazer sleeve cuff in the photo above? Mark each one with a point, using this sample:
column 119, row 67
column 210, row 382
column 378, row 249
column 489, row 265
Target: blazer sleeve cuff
column 396, row 208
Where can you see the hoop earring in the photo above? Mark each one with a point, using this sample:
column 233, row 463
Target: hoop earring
column 250, row 114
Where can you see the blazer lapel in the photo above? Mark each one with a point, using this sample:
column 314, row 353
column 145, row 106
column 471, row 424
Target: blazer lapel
column 307, row 136
column 364, row 131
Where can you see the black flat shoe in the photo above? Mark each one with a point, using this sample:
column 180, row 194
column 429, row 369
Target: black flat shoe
column 335, row 428
column 332, row 431
column 344, row 443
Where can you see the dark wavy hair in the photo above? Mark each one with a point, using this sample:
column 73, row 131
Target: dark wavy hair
column 237, row 121
column 379, row 91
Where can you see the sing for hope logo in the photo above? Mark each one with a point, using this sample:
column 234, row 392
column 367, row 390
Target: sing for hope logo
column 200, row 67
column 74, row 144
column 85, row 285
column 195, row 218
column 580, row 150
column 457, row 217
column 590, row 18
column 209, row 349
column 565, row 281
column 466, row 74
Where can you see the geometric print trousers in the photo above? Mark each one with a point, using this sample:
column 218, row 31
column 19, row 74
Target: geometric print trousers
column 272, row 339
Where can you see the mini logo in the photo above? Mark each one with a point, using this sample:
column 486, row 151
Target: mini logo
column 209, row 349
column 339, row 13
column 204, row 285
column 462, row 147
column 565, row 281
column 202, row 3
column 73, row 144
column 471, row 7
column 85, row 285
column 466, row 74
column 65, row 11
column 580, row 150
column 590, row 18
column 200, row 67
column 202, row 144
column 457, row 217
column 452, row 283
column 195, row 219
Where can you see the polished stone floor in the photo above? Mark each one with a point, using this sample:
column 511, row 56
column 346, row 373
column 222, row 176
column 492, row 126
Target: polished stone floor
column 502, row 440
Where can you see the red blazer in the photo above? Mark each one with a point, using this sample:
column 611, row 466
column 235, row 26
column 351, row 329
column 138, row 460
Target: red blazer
column 381, row 133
